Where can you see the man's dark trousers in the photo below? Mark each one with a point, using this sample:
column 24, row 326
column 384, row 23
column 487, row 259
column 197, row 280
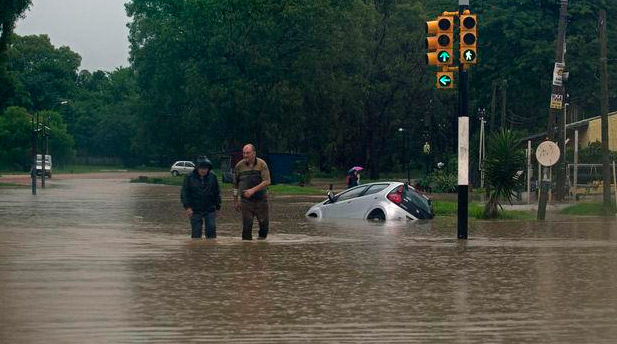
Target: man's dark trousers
column 197, row 220
column 249, row 210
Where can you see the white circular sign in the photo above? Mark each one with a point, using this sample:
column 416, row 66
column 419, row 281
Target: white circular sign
column 548, row 153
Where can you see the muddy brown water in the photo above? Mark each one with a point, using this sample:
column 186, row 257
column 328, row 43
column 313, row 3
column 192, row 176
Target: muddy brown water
column 107, row 261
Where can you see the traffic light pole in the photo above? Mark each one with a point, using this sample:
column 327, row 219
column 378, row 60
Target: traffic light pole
column 557, row 97
column 463, row 144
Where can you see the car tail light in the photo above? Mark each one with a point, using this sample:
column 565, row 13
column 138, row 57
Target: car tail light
column 396, row 195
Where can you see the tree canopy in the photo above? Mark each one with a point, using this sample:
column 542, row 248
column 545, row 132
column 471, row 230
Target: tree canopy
column 343, row 81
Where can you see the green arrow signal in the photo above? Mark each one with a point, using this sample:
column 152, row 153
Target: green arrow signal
column 443, row 56
column 445, row 80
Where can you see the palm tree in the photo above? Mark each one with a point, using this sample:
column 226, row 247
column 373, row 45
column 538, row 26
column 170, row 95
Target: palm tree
column 504, row 167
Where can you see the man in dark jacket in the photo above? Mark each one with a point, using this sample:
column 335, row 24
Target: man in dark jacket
column 201, row 198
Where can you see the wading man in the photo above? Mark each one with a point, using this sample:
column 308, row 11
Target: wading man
column 201, row 198
column 251, row 179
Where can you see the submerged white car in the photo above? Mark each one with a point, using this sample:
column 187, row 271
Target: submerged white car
column 376, row 201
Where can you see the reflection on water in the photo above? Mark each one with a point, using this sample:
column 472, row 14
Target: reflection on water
column 108, row 261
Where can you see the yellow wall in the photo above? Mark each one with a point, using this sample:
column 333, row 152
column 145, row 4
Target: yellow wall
column 594, row 132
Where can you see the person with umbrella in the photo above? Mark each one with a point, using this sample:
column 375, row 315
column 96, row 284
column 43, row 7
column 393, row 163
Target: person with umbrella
column 353, row 176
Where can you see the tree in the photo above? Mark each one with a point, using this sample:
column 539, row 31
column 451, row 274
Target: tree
column 504, row 165
column 11, row 10
column 15, row 139
column 44, row 74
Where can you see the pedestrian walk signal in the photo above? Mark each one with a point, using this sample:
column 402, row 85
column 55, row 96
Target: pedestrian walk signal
column 445, row 80
column 440, row 41
column 468, row 38
column 469, row 56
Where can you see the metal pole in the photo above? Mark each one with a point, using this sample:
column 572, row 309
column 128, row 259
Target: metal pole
column 557, row 93
column 481, row 153
column 33, row 171
column 463, row 145
column 576, row 165
column 615, row 180
column 606, row 174
column 407, row 158
column 44, row 153
column 528, row 171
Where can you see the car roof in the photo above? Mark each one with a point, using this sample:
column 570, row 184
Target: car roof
column 391, row 183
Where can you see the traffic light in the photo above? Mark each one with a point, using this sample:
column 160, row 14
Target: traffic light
column 440, row 40
column 469, row 39
column 445, row 80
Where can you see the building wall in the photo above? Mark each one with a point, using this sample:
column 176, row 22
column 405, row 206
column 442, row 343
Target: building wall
column 594, row 132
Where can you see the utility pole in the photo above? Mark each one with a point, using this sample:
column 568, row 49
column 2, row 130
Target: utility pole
column 606, row 173
column 44, row 129
column 556, row 104
column 493, row 101
column 482, row 148
column 504, row 90
column 34, row 144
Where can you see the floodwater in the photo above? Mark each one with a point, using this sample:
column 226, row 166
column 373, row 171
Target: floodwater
column 106, row 261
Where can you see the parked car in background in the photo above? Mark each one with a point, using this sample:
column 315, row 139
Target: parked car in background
column 39, row 165
column 182, row 167
column 376, row 201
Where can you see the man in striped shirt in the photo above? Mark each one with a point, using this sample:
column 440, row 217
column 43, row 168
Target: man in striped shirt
column 251, row 179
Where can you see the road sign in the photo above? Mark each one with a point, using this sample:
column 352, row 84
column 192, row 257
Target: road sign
column 547, row 153
column 556, row 101
column 558, row 73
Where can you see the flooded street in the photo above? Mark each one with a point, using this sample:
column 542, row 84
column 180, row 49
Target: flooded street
column 107, row 261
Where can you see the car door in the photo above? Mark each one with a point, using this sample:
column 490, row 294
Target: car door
column 188, row 167
column 367, row 200
column 343, row 205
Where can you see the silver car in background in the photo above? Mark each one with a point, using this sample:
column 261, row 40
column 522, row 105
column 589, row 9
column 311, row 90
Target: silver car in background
column 376, row 201
column 182, row 167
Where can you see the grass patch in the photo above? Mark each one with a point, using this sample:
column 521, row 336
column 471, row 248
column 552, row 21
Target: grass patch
column 171, row 180
column 476, row 210
column 12, row 185
column 105, row 168
column 281, row 189
column 586, row 208
column 287, row 189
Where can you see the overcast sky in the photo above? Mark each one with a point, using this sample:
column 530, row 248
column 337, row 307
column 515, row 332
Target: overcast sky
column 95, row 29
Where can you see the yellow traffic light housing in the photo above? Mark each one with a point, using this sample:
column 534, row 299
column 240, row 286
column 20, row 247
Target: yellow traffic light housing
column 468, row 39
column 445, row 80
column 440, row 41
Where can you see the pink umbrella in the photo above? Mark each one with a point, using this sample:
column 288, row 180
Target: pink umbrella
column 355, row 168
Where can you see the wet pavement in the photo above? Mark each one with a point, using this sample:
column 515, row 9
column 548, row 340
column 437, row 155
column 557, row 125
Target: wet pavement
column 107, row 261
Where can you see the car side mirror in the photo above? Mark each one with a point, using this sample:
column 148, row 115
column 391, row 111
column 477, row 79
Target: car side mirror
column 331, row 197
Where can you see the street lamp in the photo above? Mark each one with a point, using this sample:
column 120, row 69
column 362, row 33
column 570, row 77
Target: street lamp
column 405, row 156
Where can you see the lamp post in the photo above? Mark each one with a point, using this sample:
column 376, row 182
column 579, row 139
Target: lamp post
column 405, row 154
column 45, row 130
column 482, row 148
column 34, row 127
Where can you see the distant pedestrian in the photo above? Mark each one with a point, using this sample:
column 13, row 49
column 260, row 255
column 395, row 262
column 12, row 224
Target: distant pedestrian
column 352, row 179
column 201, row 198
column 251, row 179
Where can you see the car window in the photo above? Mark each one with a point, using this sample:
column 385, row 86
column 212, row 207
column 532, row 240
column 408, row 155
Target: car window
column 181, row 164
column 373, row 189
column 189, row 164
column 418, row 200
column 351, row 194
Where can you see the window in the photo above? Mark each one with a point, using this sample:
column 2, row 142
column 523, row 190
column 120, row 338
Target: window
column 375, row 189
column 180, row 164
column 353, row 193
column 189, row 164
